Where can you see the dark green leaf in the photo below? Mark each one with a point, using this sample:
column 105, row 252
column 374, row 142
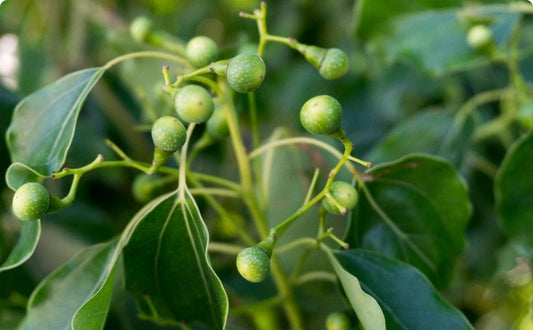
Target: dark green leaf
column 30, row 231
column 406, row 297
column 77, row 294
column 513, row 190
column 167, row 267
column 18, row 174
column 416, row 210
column 43, row 123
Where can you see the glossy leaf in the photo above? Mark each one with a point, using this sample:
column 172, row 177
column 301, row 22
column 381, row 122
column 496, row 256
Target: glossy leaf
column 43, row 123
column 365, row 306
column 405, row 295
column 30, row 232
column 77, row 294
column 416, row 210
column 18, row 174
column 513, row 190
column 167, row 268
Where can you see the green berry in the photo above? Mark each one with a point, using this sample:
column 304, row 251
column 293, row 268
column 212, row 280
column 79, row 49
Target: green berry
column 245, row 72
column 194, row 104
column 217, row 125
column 321, row 114
column 141, row 28
column 253, row 263
column 145, row 187
column 31, row 201
column 479, row 37
column 344, row 194
column 201, row 50
column 338, row 321
column 334, row 65
column 168, row 134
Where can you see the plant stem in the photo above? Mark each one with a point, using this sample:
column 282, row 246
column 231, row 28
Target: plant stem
column 145, row 54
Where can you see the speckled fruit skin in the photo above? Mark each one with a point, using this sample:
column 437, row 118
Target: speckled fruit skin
column 344, row 193
column 338, row 321
column 31, row 201
column 321, row 114
column 253, row 264
column 141, row 28
column 245, row 72
column 334, row 65
column 201, row 50
column 168, row 134
column 194, row 104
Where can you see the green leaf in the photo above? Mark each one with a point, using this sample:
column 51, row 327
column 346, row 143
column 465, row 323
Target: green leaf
column 77, row 294
column 406, row 297
column 43, row 123
column 167, row 268
column 513, row 190
column 18, row 174
column 416, row 210
column 30, row 231
column 443, row 134
column 367, row 309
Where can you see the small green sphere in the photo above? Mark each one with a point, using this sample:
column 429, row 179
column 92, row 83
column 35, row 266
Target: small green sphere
column 168, row 134
column 201, row 50
column 146, row 187
column 338, row 321
column 194, row 104
column 141, row 28
column 334, row 65
column 31, row 201
column 253, row 264
column 321, row 114
column 217, row 125
column 344, row 193
column 479, row 37
column 245, row 72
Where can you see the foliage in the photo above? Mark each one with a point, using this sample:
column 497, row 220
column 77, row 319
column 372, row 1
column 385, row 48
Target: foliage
column 431, row 230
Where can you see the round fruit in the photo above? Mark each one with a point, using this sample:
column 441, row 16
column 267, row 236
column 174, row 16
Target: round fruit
column 334, row 65
column 141, row 28
column 253, row 264
column 479, row 36
column 344, row 194
column 145, row 187
column 245, row 72
column 194, row 104
column 31, row 201
column 321, row 114
column 338, row 321
column 168, row 134
column 201, row 50
column 217, row 125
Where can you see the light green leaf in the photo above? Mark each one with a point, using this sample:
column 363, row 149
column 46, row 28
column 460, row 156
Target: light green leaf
column 367, row 309
column 513, row 190
column 18, row 174
column 406, row 297
column 43, row 123
column 167, row 268
column 30, row 231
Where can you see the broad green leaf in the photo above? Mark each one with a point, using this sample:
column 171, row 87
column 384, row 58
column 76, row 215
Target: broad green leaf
column 30, row 231
column 367, row 309
column 405, row 295
column 444, row 136
column 167, row 268
column 43, row 123
column 18, row 174
column 416, row 210
column 77, row 294
column 513, row 190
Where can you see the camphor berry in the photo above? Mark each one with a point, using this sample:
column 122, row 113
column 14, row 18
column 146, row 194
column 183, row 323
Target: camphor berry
column 253, row 263
column 201, row 50
column 245, row 72
column 344, row 194
column 145, row 187
column 479, row 37
column 194, row 104
column 141, row 28
column 168, row 134
column 321, row 114
column 217, row 125
column 338, row 321
column 31, row 201
column 332, row 63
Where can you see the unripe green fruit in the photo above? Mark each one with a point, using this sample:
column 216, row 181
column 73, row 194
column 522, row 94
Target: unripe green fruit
column 344, row 194
column 31, row 201
column 253, row 263
column 479, row 37
column 145, row 187
column 217, row 125
column 141, row 28
column 338, row 321
column 332, row 63
column 168, row 134
column 201, row 50
column 321, row 114
column 194, row 104
column 245, row 72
